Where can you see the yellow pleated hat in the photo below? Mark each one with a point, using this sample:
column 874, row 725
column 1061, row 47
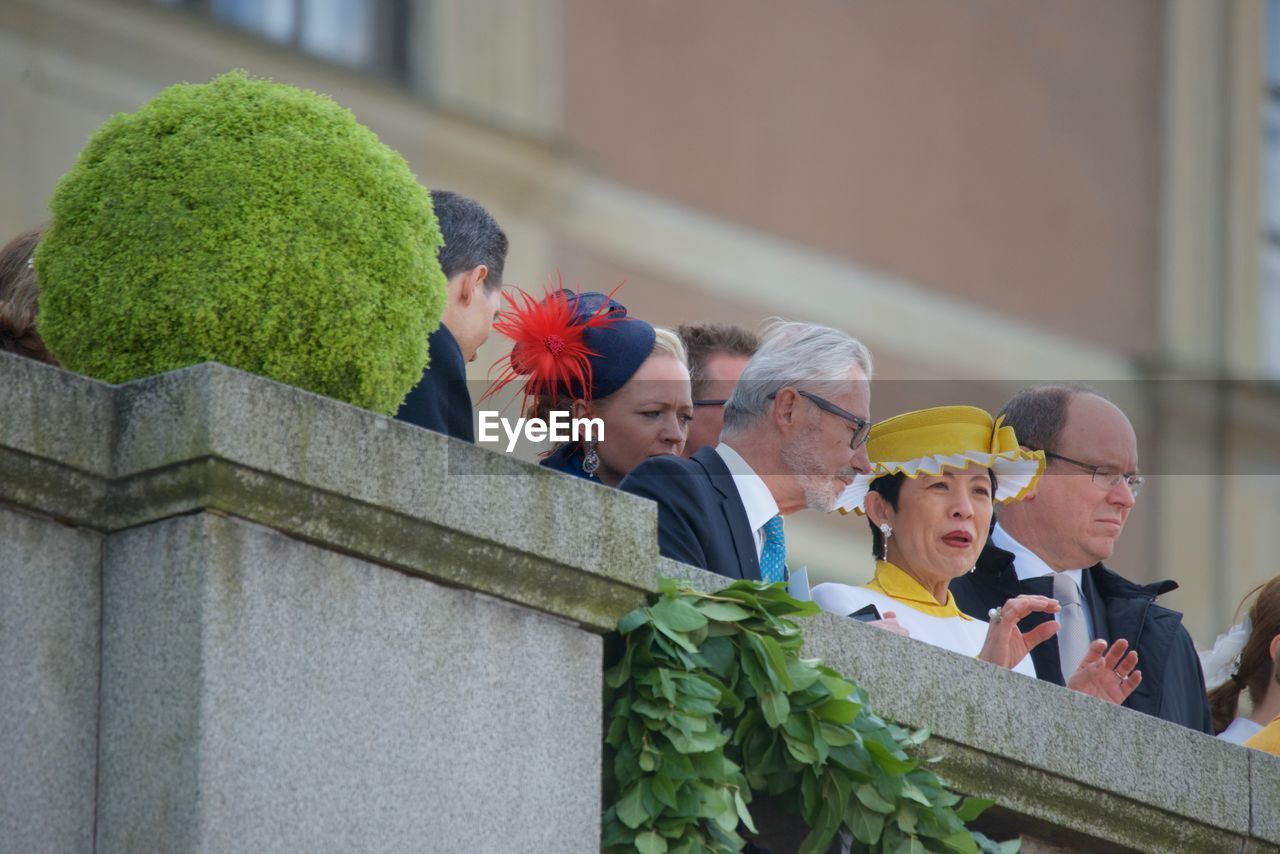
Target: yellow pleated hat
column 955, row 437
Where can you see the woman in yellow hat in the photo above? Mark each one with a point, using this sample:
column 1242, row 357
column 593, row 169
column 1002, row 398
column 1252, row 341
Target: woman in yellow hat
column 935, row 479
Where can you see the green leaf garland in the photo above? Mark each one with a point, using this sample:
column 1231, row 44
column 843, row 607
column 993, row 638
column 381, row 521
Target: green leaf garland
column 711, row 702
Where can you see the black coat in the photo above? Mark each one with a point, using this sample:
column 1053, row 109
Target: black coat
column 441, row 401
column 701, row 520
column 1172, row 685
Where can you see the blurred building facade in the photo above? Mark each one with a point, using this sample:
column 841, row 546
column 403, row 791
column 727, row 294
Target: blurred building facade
column 987, row 193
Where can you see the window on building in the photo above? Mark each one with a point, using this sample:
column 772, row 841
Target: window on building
column 370, row 35
column 496, row 61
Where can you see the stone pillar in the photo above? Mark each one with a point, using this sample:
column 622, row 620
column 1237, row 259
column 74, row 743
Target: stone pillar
column 264, row 694
column 49, row 606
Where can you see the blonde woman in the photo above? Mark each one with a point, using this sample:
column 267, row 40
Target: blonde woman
column 583, row 354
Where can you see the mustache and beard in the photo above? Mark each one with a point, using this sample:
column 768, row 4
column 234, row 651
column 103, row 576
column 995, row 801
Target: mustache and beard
column 821, row 485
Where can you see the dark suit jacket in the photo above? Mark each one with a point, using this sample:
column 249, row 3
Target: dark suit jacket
column 1172, row 685
column 701, row 520
column 441, row 401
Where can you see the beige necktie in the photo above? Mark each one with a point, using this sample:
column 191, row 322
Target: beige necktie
column 1073, row 637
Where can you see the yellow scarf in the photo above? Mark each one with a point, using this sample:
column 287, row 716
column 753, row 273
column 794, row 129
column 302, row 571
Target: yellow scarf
column 1268, row 739
column 898, row 585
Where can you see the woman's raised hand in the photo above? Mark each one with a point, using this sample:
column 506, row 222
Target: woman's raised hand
column 1006, row 645
column 890, row 624
column 1111, row 676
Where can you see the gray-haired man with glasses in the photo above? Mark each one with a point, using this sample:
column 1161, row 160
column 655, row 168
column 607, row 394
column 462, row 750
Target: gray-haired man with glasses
column 794, row 436
column 1054, row 542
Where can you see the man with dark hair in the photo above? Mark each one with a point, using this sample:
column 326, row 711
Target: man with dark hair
column 472, row 257
column 1054, row 542
column 718, row 353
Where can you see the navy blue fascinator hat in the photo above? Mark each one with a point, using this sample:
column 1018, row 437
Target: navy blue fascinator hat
column 620, row 347
column 574, row 345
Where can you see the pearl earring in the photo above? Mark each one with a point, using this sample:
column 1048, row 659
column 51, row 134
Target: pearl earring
column 886, row 531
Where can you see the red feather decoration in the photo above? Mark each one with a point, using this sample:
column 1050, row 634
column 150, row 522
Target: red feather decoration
column 550, row 349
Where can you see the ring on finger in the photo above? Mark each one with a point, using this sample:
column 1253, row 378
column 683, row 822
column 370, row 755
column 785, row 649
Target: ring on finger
column 995, row 615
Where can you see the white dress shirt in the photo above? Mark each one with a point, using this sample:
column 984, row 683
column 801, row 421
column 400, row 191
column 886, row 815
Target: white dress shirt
column 1027, row 564
column 1240, row 731
column 757, row 500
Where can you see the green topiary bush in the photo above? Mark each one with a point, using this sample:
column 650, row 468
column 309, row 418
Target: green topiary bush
column 250, row 223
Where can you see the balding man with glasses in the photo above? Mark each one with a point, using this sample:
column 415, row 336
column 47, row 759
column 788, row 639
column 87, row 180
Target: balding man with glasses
column 1054, row 542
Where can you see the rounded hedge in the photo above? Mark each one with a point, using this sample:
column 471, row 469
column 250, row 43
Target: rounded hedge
column 250, row 223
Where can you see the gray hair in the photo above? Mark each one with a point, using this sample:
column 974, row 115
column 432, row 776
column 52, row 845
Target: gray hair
column 471, row 237
column 805, row 355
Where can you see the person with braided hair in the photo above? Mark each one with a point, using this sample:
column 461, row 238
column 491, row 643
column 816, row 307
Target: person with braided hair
column 1245, row 658
column 19, row 299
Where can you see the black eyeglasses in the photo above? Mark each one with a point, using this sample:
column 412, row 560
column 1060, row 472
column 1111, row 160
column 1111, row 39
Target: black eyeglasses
column 1105, row 475
column 710, row 402
column 861, row 426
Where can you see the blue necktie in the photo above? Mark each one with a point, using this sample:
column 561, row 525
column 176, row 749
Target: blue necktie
column 773, row 557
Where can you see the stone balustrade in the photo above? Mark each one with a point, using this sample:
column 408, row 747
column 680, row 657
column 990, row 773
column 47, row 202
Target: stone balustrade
column 235, row 616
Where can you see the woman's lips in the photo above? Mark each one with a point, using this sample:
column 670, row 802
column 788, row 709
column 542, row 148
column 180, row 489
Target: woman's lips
column 958, row 539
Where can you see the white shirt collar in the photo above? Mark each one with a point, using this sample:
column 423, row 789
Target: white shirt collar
column 1026, row 563
column 757, row 500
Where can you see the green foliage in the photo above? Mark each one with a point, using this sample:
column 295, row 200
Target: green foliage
column 250, row 223
column 711, row 702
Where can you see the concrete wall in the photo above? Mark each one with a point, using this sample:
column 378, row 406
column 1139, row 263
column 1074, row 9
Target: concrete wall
column 315, row 701
column 235, row 616
column 317, row 668
column 50, row 598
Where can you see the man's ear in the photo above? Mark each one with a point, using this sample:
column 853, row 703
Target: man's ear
column 471, row 284
column 784, row 408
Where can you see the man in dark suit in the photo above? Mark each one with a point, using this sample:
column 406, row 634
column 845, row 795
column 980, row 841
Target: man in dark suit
column 472, row 257
column 1053, row 542
column 794, row 436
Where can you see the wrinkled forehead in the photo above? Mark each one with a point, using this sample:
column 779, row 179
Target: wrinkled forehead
column 722, row 366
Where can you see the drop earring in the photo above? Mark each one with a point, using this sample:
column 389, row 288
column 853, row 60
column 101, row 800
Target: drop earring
column 886, row 531
column 590, row 460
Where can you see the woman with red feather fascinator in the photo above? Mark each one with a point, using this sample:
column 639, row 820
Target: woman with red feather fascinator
column 582, row 353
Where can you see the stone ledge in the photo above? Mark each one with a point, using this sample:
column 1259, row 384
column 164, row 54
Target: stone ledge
column 211, row 437
column 51, row 414
column 1264, row 785
column 1102, row 772
column 1132, row 783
